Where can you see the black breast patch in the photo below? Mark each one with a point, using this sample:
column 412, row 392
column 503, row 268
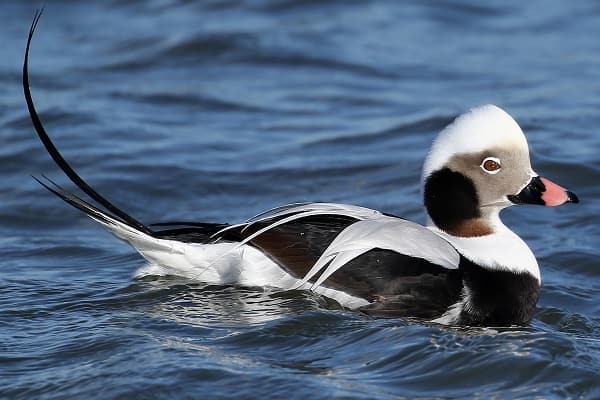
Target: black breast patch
column 498, row 297
column 398, row 285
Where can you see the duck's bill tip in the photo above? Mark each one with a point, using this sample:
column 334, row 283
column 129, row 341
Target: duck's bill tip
column 572, row 197
column 543, row 192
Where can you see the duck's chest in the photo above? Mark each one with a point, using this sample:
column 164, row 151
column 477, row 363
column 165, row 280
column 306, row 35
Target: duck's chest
column 496, row 297
column 468, row 295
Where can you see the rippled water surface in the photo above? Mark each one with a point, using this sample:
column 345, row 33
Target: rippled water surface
column 216, row 110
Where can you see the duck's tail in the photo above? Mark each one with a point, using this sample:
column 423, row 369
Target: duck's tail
column 178, row 250
column 112, row 213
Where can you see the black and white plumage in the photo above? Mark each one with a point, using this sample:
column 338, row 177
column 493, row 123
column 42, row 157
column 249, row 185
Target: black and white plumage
column 464, row 267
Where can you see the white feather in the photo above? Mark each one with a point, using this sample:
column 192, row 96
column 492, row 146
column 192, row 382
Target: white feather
column 386, row 233
column 339, row 260
column 299, row 208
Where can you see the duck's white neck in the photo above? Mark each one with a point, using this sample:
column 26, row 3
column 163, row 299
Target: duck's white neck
column 501, row 250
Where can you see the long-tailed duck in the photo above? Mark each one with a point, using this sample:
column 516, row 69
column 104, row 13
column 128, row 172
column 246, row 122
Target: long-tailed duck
column 465, row 267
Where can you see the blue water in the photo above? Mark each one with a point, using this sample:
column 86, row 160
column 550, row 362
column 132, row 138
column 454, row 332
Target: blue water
column 217, row 110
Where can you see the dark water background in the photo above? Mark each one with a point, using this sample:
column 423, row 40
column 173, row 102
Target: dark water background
column 216, row 110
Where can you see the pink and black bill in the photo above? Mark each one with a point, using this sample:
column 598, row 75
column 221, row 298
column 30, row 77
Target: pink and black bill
column 544, row 192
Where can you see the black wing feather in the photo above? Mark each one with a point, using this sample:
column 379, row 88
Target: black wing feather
column 399, row 285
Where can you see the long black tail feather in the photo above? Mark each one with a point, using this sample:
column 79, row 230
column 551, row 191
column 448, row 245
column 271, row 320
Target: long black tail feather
column 62, row 163
column 76, row 201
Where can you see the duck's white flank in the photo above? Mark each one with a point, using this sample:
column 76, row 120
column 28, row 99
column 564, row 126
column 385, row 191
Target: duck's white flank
column 217, row 263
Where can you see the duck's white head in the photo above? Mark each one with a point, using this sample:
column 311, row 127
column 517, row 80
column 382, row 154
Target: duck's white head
column 478, row 165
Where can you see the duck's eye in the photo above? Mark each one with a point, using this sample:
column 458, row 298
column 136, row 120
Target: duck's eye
column 491, row 165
